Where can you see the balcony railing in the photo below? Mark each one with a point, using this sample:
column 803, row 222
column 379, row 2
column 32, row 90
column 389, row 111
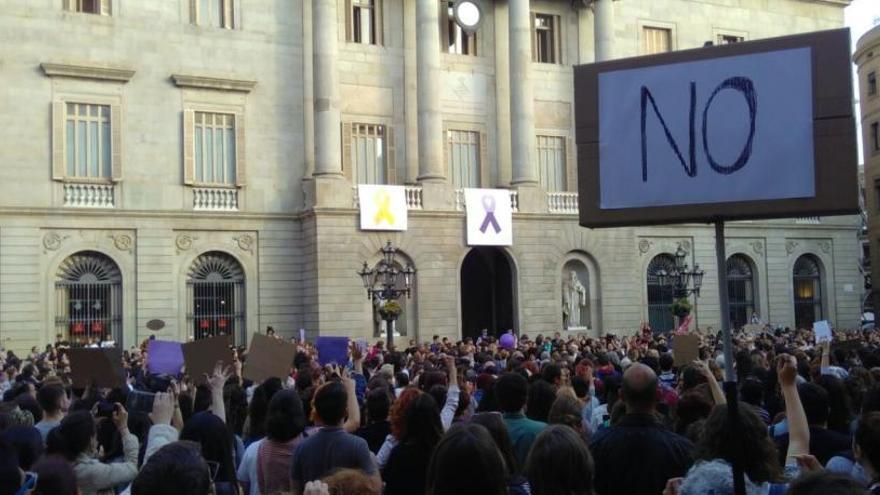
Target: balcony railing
column 413, row 196
column 215, row 199
column 459, row 200
column 89, row 195
column 808, row 220
column 563, row 203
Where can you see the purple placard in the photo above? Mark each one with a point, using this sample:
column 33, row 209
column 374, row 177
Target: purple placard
column 165, row 357
column 332, row 350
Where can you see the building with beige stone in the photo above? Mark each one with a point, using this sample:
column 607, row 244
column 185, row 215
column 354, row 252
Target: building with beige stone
column 867, row 58
column 195, row 162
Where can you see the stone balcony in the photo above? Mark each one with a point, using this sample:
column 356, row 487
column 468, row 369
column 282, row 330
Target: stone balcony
column 89, row 195
column 215, row 199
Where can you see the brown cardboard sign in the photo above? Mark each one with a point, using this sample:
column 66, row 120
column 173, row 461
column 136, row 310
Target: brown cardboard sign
column 201, row 356
column 755, row 130
column 267, row 358
column 685, row 349
column 99, row 367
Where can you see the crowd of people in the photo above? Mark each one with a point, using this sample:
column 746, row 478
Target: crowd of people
column 548, row 415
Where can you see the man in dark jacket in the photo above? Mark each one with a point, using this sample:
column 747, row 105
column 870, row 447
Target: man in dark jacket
column 637, row 455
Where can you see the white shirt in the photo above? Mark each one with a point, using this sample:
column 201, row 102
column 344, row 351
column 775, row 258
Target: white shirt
column 247, row 471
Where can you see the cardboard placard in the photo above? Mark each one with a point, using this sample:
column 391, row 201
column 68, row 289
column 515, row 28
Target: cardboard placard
column 332, row 350
column 165, row 357
column 822, row 330
column 267, row 358
column 685, row 349
column 101, row 367
column 203, row 355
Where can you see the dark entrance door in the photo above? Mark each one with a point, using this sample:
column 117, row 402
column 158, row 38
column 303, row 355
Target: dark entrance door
column 487, row 294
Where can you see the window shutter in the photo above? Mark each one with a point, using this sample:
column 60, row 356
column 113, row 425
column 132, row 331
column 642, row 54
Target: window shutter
column 189, row 123
column 484, row 159
column 240, row 161
column 194, row 12
column 379, row 24
column 228, row 16
column 570, row 166
column 443, row 5
column 446, row 166
column 58, row 140
column 116, row 142
column 390, row 156
column 534, row 34
column 557, row 42
column 105, row 7
column 349, row 32
column 346, row 150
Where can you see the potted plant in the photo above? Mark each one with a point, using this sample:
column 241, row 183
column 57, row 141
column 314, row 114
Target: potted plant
column 681, row 307
column 390, row 310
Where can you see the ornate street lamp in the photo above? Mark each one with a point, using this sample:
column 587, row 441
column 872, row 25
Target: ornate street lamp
column 682, row 280
column 381, row 284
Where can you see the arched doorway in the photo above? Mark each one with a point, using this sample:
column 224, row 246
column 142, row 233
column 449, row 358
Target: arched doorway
column 740, row 290
column 88, row 295
column 807, row 280
column 216, row 297
column 488, row 296
column 660, row 296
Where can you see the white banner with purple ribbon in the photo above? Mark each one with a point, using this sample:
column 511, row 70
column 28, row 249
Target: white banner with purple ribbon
column 489, row 217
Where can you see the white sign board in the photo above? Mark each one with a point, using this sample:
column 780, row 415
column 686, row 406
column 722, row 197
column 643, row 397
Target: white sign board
column 822, row 331
column 382, row 207
column 736, row 128
column 489, row 217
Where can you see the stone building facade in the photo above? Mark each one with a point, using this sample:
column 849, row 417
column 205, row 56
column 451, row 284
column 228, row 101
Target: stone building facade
column 194, row 162
column 867, row 58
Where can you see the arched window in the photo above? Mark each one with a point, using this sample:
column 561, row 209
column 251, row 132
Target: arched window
column 215, row 294
column 660, row 296
column 740, row 290
column 807, row 279
column 88, row 295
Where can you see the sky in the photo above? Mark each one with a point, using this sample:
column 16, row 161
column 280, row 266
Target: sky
column 861, row 16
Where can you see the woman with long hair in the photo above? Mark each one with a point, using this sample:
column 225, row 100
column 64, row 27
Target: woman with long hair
column 216, row 441
column 494, row 423
column 75, row 439
column 466, row 462
column 560, row 463
column 408, row 463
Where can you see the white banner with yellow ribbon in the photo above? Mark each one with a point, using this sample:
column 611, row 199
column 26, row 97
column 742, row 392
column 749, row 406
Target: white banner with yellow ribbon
column 382, row 207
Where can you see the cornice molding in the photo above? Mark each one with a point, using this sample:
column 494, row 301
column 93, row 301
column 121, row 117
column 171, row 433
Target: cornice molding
column 98, row 73
column 215, row 83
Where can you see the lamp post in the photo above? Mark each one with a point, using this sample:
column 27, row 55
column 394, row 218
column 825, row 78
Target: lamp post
column 381, row 283
column 683, row 280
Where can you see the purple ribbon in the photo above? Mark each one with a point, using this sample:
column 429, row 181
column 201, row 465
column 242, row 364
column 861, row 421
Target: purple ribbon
column 489, row 207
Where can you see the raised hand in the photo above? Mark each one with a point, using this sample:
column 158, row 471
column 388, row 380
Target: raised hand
column 163, row 408
column 218, row 379
column 786, row 369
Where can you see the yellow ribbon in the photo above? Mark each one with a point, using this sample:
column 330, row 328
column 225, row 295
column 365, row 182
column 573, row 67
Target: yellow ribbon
column 383, row 201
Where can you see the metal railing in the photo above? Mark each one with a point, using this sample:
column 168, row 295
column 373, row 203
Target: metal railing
column 83, row 195
column 216, row 308
column 808, row 220
column 215, row 199
column 460, row 202
column 88, row 313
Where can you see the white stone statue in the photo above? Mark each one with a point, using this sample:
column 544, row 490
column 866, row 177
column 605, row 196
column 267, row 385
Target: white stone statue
column 574, row 300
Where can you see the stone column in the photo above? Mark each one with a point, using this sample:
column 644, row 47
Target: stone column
column 522, row 104
column 410, row 85
column 431, row 166
column 328, row 161
column 502, row 96
column 586, row 36
column 308, row 93
column 604, row 29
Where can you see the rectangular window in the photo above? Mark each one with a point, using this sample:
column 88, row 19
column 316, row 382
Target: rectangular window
column 363, row 22
column 877, row 196
column 368, row 153
column 214, row 149
column 99, row 7
column 454, row 39
column 463, row 151
column 88, row 147
column 546, row 39
column 875, row 136
column 729, row 39
column 656, row 40
column 872, row 83
column 215, row 13
column 551, row 163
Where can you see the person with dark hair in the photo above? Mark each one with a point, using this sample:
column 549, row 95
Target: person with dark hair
column 11, row 476
column 176, row 469
column 331, row 447
column 667, row 374
column 752, row 392
column 552, row 374
column 466, row 462
column 566, row 410
column 53, row 399
column 217, row 445
column 255, row 424
column 494, row 423
column 511, row 393
column 378, row 403
column 408, row 463
column 55, row 476
column 27, row 442
column 560, row 463
column 824, row 443
column 867, row 448
column 265, row 467
column 540, row 399
column 638, row 440
column 75, row 439
column 825, row 483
